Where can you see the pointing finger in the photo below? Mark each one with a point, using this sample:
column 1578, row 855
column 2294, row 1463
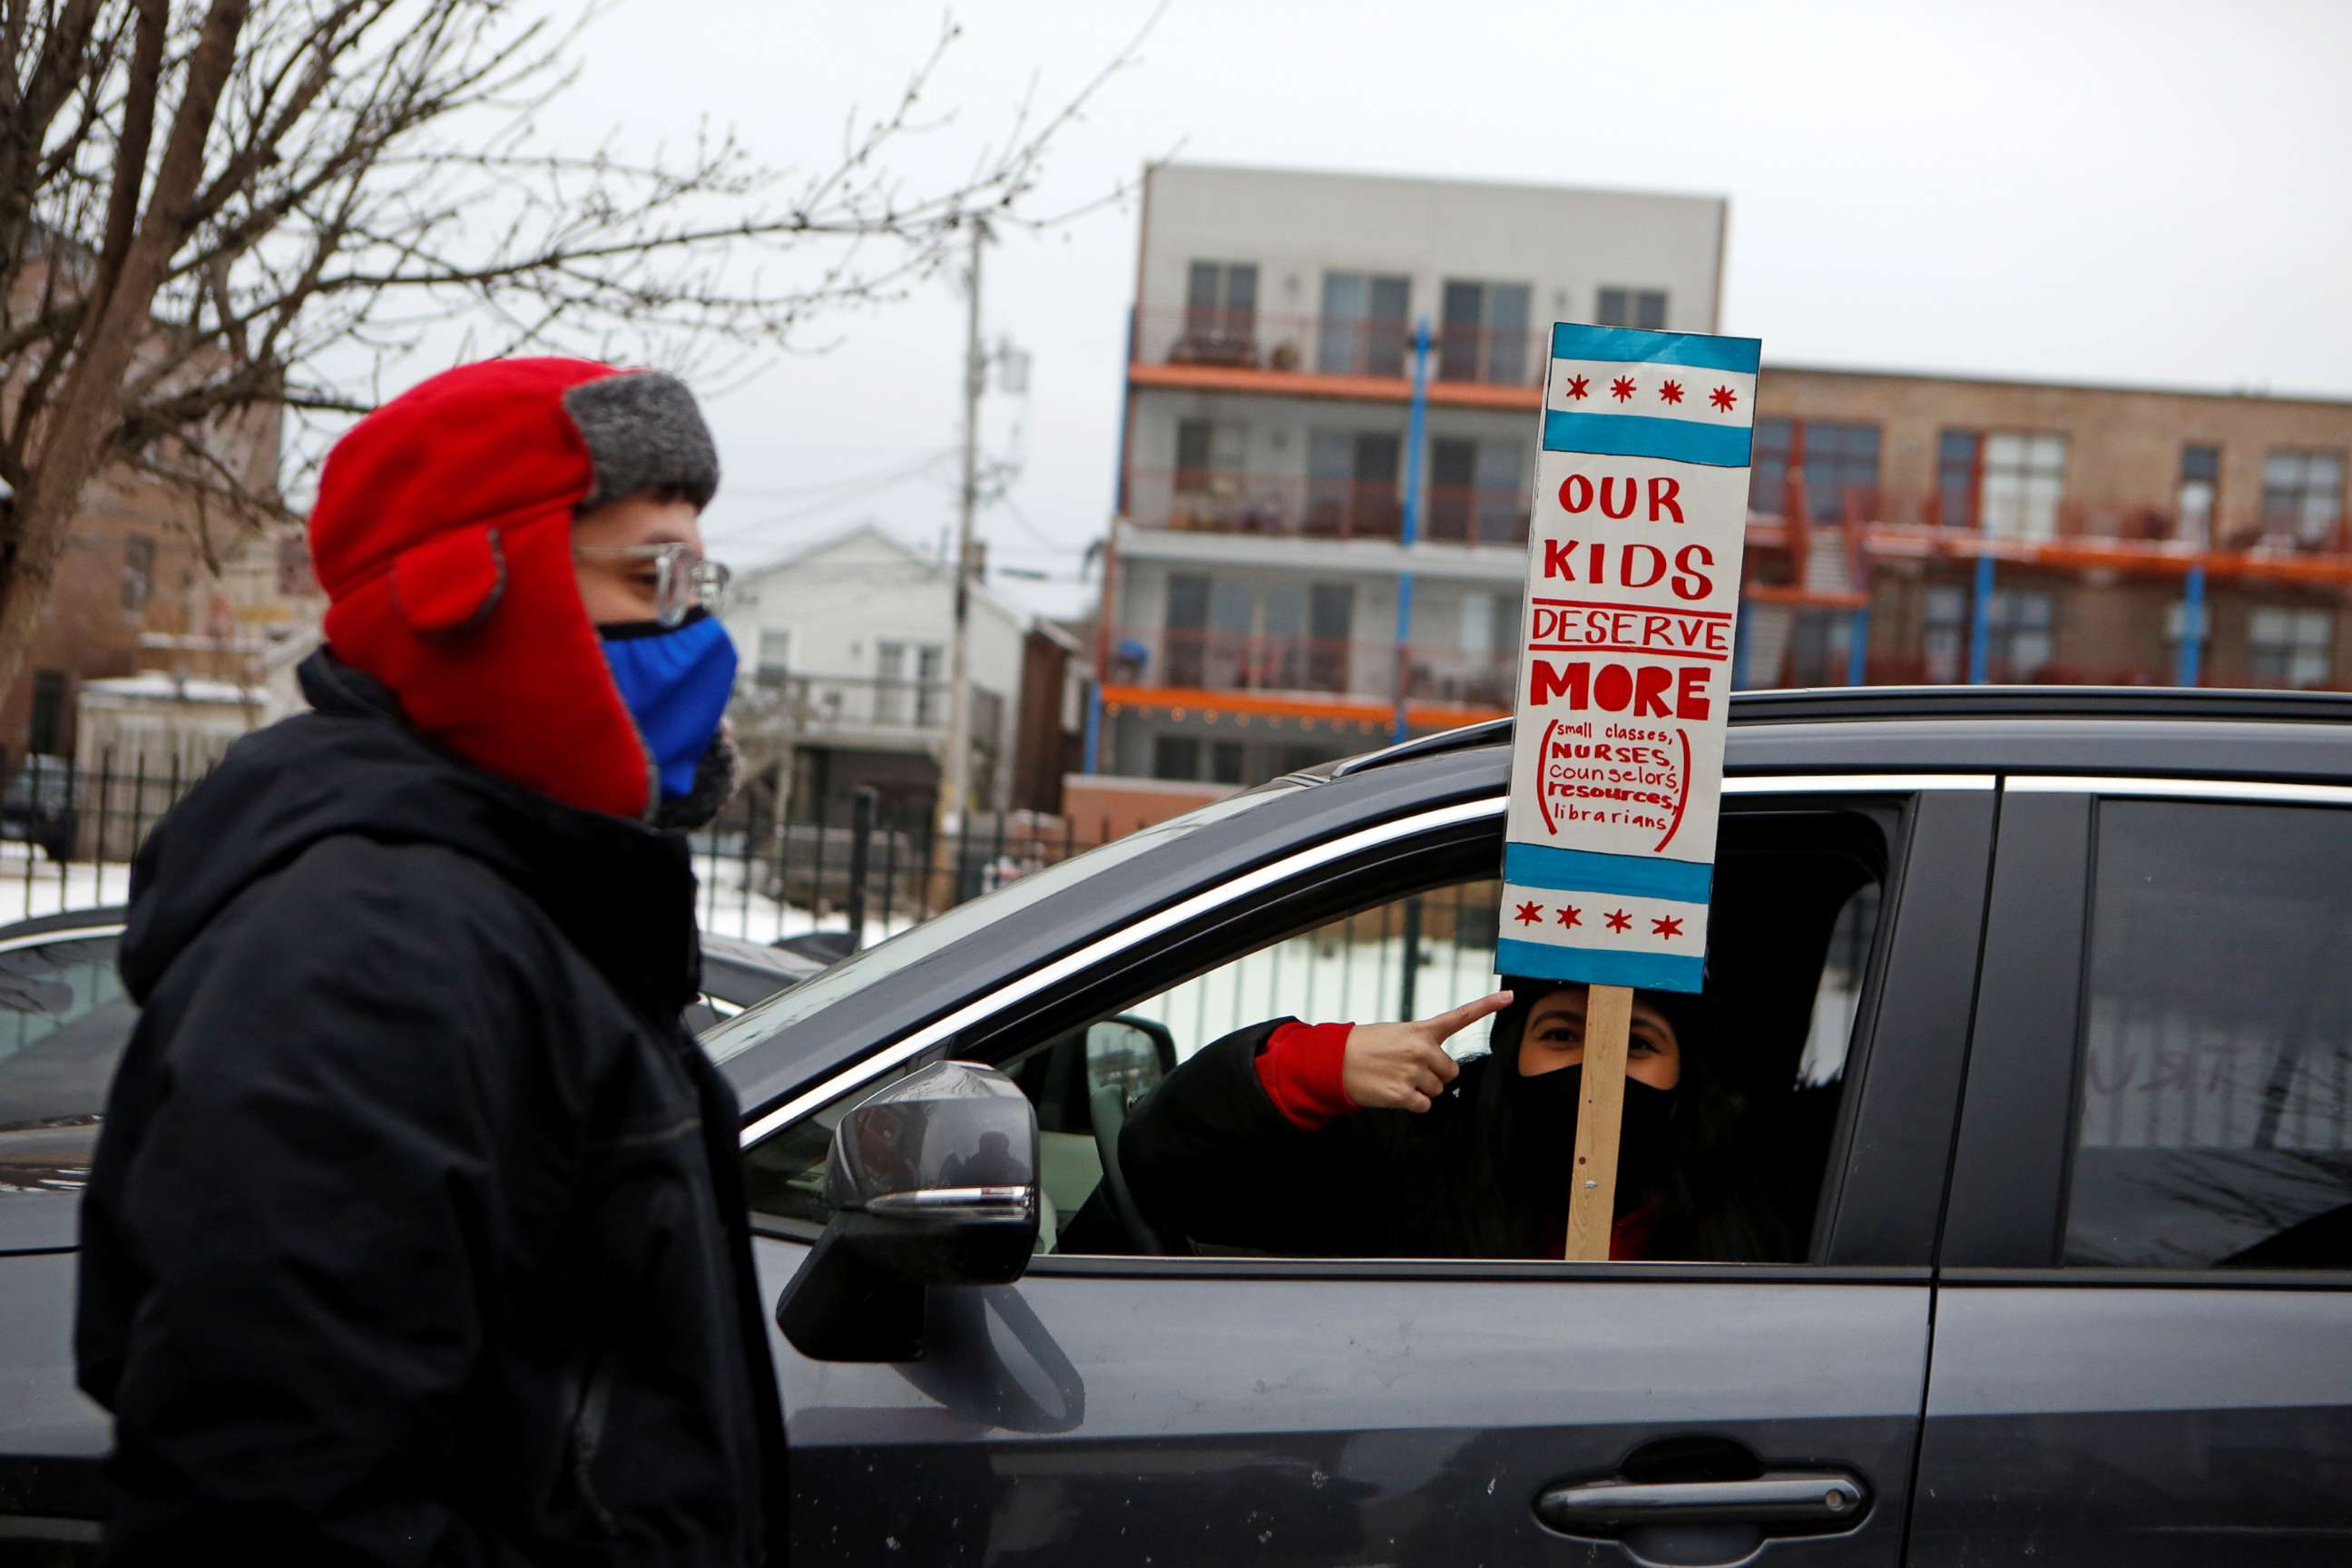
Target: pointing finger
column 1449, row 1023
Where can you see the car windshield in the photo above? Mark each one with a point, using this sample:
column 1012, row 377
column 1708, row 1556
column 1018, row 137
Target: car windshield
column 884, row 960
column 64, row 1020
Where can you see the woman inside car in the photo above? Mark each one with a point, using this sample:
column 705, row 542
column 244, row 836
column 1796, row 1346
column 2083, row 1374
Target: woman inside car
column 1368, row 1140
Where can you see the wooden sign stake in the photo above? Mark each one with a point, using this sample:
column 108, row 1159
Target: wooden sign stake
column 1592, row 1199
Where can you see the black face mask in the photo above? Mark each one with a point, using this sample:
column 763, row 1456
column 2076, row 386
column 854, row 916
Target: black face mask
column 1542, row 1134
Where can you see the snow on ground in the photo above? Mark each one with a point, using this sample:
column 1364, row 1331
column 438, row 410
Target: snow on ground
column 32, row 884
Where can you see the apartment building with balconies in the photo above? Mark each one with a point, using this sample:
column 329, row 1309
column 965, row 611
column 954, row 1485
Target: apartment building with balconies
column 1328, row 446
column 1320, row 540
column 1956, row 529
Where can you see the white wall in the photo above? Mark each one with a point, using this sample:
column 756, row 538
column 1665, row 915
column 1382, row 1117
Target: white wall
column 1567, row 244
column 838, row 603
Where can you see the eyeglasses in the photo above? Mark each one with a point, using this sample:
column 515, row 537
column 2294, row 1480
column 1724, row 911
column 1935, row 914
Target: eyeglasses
column 683, row 580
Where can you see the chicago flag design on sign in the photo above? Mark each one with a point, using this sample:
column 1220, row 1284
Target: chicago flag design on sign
column 1633, row 556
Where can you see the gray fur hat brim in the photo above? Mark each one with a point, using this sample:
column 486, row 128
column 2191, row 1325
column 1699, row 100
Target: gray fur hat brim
column 643, row 432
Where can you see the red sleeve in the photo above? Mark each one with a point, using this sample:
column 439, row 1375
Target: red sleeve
column 1299, row 1068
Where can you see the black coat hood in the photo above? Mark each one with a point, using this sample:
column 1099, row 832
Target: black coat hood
column 622, row 891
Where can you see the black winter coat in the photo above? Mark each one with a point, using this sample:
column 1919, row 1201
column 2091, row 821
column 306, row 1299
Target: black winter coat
column 1484, row 1172
column 414, row 1234
column 1208, row 1156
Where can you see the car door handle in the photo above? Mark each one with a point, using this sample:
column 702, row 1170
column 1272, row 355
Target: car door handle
column 1784, row 1503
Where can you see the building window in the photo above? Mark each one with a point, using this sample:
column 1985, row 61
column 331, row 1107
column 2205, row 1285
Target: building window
column 2018, row 624
column 1225, row 763
column 1362, row 332
column 2007, row 482
column 1956, row 477
column 930, row 688
column 1477, row 492
column 47, row 733
column 891, row 685
column 1839, row 460
column 1485, row 335
column 2201, row 489
column 775, row 657
column 1175, row 757
column 2179, row 622
column 2303, row 493
column 2292, row 647
column 138, row 574
column 1767, row 472
column 293, row 567
column 1228, row 634
column 1632, row 308
column 1351, row 485
column 1221, row 312
column 1211, row 455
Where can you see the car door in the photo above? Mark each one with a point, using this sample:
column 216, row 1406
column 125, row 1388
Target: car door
column 64, row 1020
column 2143, row 1347
column 1125, row 1409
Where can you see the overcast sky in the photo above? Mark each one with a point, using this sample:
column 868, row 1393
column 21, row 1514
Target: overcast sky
column 2062, row 189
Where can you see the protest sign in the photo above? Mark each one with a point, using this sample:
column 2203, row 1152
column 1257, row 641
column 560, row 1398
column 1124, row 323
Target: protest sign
column 1627, row 632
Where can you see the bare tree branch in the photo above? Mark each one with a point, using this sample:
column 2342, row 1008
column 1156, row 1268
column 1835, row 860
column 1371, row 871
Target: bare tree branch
column 343, row 179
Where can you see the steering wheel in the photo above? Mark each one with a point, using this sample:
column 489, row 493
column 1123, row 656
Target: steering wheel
column 1106, row 1109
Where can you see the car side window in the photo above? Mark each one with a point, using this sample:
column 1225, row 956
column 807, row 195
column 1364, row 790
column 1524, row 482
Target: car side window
column 1792, row 924
column 2214, row 1120
column 64, row 1020
column 1792, row 921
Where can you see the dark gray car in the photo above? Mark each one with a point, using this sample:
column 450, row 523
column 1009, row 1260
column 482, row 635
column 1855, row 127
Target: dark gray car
column 2040, row 1008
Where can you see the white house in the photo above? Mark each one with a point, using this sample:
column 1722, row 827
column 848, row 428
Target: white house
column 844, row 649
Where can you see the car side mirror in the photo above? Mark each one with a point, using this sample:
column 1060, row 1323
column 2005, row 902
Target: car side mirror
column 931, row 1182
column 1129, row 1054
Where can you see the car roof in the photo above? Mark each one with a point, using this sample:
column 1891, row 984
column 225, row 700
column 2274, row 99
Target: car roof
column 103, row 920
column 2106, row 730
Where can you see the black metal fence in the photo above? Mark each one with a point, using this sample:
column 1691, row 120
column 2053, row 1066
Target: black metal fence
column 866, row 872
column 68, row 831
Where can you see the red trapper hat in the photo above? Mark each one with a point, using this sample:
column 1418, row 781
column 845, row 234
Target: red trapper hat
column 443, row 537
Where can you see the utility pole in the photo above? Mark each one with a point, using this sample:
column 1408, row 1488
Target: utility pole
column 955, row 770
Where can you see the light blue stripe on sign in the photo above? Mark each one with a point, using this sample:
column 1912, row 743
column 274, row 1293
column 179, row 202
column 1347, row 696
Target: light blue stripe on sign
column 1590, row 872
column 1633, row 435
column 1697, row 350
column 1596, row 966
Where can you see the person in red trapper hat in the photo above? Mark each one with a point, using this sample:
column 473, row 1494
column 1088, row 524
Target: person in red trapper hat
column 414, row 1232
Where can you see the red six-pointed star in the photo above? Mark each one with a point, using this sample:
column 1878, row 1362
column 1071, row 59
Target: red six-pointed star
column 1672, row 392
column 1666, row 925
column 1620, row 920
column 1577, row 385
column 1569, row 917
column 1723, row 397
column 1621, row 389
column 1530, row 913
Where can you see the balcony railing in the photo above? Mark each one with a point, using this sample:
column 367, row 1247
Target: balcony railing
column 1224, row 501
column 1308, row 665
column 2073, row 519
column 1334, row 345
column 1232, row 661
column 1460, row 677
column 853, row 701
column 1288, row 505
column 1474, row 514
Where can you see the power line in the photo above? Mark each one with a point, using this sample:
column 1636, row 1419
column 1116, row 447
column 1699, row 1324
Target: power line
column 843, row 496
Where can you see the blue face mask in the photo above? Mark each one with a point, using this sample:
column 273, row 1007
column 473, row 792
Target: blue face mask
column 674, row 682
